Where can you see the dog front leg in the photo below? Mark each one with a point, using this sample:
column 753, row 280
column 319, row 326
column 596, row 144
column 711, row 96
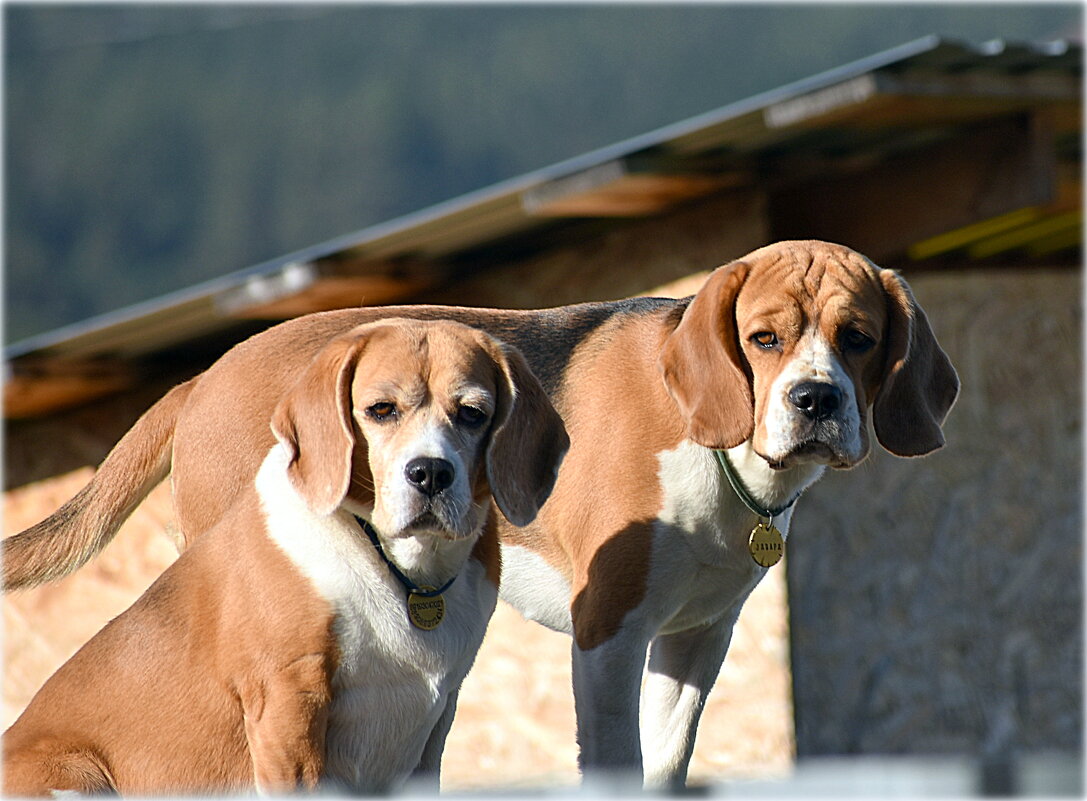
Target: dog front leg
column 682, row 670
column 427, row 776
column 286, row 720
column 606, row 680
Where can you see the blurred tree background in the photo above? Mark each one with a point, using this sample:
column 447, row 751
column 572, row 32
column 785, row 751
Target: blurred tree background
column 152, row 147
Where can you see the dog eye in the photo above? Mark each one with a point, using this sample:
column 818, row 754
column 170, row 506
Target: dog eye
column 471, row 416
column 856, row 341
column 382, row 411
column 767, row 340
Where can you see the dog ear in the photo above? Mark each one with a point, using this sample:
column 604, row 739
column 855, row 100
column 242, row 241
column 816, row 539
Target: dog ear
column 919, row 384
column 313, row 422
column 528, row 440
column 703, row 368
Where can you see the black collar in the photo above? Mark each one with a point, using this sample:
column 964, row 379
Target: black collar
column 742, row 492
column 409, row 585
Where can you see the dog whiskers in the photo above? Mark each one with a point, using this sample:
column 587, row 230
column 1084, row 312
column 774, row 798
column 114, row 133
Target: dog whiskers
column 364, row 480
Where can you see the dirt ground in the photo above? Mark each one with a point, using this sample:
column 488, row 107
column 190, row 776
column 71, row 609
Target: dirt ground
column 515, row 722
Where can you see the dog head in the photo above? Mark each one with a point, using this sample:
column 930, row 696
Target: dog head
column 416, row 424
column 790, row 346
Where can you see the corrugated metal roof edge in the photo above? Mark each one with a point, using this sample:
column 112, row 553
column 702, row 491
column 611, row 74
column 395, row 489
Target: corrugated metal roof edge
column 208, row 290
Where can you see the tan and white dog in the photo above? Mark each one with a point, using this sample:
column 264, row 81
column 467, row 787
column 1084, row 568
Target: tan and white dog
column 643, row 545
column 278, row 650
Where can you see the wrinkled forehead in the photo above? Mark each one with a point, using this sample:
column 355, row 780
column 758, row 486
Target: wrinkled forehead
column 432, row 358
column 824, row 285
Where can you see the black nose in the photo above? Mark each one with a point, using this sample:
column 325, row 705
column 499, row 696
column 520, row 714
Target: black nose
column 816, row 400
column 429, row 476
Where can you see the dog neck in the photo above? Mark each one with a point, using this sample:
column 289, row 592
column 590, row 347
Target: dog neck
column 426, row 559
column 771, row 488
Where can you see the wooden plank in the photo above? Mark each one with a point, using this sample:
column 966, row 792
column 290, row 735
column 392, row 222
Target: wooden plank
column 334, row 293
column 33, row 392
column 633, row 196
column 334, row 284
column 624, row 188
column 988, row 171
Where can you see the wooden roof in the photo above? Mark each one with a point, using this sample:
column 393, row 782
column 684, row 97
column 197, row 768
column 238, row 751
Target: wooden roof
column 899, row 117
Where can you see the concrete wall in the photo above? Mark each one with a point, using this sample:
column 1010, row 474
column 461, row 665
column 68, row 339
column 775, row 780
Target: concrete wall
column 936, row 603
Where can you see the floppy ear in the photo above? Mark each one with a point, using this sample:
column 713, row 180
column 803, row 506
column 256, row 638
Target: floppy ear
column 919, row 385
column 313, row 422
column 702, row 366
column 527, row 443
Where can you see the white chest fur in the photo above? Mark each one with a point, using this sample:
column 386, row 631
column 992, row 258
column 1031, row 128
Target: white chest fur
column 393, row 680
column 701, row 565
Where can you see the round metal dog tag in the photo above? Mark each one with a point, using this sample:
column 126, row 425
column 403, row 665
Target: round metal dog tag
column 766, row 544
column 426, row 612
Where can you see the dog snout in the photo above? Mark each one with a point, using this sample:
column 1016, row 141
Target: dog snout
column 429, row 475
column 816, row 400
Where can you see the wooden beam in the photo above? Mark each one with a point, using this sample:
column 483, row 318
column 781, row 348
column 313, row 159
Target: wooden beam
column 985, row 172
column 635, row 196
column 33, row 390
column 330, row 284
column 622, row 189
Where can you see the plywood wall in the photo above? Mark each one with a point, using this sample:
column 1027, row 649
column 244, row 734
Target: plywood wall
column 936, row 603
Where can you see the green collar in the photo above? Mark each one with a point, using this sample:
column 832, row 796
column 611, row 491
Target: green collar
column 742, row 493
column 409, row 585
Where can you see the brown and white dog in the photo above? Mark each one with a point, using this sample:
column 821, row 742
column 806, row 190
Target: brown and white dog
column 643, row 543
column 277, row 651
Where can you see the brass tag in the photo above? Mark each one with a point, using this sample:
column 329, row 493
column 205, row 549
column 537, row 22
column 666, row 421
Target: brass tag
column 426, row 612
column 766, row 544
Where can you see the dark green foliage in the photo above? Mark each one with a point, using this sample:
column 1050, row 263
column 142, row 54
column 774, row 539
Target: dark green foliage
column 151, row 147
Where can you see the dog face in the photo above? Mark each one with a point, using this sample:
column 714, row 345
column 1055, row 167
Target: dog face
column 425, row 405
column 812, row 340
column 415, row 424
column 790, row 346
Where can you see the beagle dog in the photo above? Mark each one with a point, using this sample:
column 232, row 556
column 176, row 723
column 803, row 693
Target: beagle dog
column 318, row 633
column 695, row 425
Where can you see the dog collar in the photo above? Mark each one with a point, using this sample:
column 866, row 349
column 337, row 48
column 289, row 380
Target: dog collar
column 742, row 493
column 426, row 607
column 765, row 543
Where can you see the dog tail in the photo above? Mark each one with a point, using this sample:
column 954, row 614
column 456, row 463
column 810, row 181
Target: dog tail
column 82, row 527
